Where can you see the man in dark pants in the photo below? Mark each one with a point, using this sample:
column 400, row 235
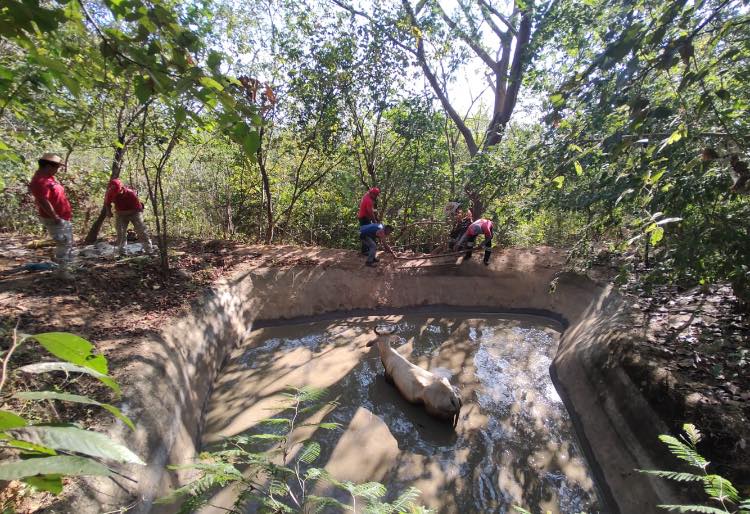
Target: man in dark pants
column 366, row 213
column 480, row 226
column 369, row 234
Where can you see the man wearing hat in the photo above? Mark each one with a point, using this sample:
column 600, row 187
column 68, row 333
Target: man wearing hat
column 129, row 210
column 53, row 207
column 366, row 214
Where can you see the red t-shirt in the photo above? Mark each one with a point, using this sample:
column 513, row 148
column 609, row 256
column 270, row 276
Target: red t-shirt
column 125, row 200
column 367, row 207
column 481, row 225
column 45, row 187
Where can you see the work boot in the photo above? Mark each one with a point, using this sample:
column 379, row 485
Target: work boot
column 370, row 264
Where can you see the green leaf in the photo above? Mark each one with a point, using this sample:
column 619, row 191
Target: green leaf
column 310, row 452
column 47, row 367
column 49, row 483
column 143, row 89
column 721, row 489
column 213, row 60
column 10, row 420
column 57, row 465
column 52, row 395
column 31, row 447
column 657, row 234
column 558, row 100
column 211, row 83
column 558, row 181
column 703, row 509
column 579, row 168
column 77, row 440
column 251, row 142
column 673, row 475
column 72, row 348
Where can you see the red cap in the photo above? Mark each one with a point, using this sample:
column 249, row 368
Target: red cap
column 116, row 184
column 375, row 191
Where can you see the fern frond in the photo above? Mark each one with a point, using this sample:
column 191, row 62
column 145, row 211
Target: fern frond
column 371, row 491
column 702, row 509
column 214, row 475
column 315, row 504
column 314, row 474
column 684, row 451
column 694, row 435
column 310, row 452
column 278, row 488
column 273, row 422
column 673, row 475
column 405, row 501
column 721, row 489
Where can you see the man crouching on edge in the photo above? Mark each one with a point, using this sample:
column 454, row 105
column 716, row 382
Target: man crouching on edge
column 369, row 234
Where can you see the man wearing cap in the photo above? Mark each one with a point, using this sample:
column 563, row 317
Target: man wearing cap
column 54, row 208
column 366, row 214
column 129, row 210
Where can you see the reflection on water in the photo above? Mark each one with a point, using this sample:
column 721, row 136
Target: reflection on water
column 513, row 444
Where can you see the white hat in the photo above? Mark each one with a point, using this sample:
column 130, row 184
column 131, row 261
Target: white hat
column 51, row 158
column 452, row 207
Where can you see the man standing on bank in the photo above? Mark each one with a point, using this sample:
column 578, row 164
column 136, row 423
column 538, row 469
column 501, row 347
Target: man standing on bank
column 54, row 209
column 129, row 210
column 366, row 213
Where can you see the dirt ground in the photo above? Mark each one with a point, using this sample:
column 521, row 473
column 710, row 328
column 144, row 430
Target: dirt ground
column 692, row 362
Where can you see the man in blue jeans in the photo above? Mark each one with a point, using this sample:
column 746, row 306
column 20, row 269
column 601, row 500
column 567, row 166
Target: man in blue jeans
column 369, row 234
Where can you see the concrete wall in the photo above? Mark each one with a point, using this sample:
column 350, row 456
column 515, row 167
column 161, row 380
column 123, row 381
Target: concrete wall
column 174, row 379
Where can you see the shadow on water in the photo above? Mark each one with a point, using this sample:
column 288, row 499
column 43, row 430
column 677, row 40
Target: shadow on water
column 513, row 445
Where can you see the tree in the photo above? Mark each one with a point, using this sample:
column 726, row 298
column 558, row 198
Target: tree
column 427, row 32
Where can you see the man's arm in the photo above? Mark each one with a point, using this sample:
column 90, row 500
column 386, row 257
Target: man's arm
column 48, row 210
column 371, row 211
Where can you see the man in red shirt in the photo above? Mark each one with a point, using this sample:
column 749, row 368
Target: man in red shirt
column 366, row 213
column 480, row 226
column 129, row 210
column 53, row 207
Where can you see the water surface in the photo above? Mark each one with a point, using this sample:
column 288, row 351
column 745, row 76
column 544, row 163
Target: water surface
column 513, row 444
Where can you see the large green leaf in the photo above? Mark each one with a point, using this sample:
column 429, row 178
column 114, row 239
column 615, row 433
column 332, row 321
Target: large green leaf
column 74, row 349
column 57, row 465
column 50, row 483
column 52, row 395
column 10, row 420
column 77, row 440
column 67, row 367
column 30, row 447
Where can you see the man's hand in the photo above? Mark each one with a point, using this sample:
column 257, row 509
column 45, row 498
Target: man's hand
column 58, row 220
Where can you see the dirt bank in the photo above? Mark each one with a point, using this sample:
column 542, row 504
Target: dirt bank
column 166, row 352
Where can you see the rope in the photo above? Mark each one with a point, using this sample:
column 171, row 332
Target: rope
column 438, row 255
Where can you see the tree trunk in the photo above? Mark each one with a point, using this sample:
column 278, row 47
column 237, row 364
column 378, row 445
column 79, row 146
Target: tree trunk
column 266, row 191
column 117, row 161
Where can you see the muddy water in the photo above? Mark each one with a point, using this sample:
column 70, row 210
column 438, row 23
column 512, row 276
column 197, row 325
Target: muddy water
column 513, row 444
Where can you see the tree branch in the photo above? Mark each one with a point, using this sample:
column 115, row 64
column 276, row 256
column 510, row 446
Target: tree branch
column 500, row 16
column 422, row 59
column 488, row 60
